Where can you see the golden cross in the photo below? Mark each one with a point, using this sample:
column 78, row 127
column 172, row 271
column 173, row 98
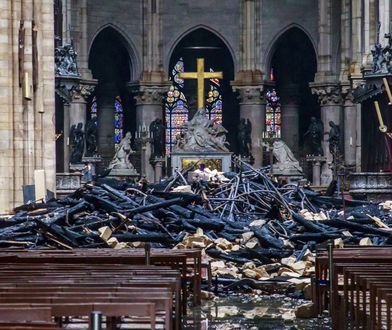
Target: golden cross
column 200, row 75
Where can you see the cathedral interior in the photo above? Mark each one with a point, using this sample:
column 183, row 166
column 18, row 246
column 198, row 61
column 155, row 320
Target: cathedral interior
column 293, row 96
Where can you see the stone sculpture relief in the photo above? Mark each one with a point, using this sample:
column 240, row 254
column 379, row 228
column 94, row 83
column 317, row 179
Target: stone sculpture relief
column 65, row 61
column 202, row 134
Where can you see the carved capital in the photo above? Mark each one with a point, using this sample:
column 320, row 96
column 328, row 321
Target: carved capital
column 148, row 94
column 329, row 94
column 73, row 89
column 250, row 94
column 81, row 92
column 347, row 95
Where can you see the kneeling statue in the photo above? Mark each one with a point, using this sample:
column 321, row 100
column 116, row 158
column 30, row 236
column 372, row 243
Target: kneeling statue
column 121, row 157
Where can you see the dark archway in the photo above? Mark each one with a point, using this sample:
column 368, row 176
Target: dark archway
column 202, row 43
column 110, row 63
column 293, row 67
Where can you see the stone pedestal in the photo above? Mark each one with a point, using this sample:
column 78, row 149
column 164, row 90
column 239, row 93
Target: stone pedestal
column 371, row 186
column 157, row 163
column 123, row 173
column 79, row 167
column 316, row 161
column 288, row 172
column 220, row 161
column 67, row 183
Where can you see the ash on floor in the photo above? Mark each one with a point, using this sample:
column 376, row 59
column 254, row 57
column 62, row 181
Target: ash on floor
column 252, row 312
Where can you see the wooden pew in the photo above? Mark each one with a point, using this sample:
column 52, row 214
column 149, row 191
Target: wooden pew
column 140, row 286
column 361, row 286
column 178, row 259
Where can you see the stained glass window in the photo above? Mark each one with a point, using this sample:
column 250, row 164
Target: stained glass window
column 94, row 108
column 176, row 107
column 273, row 114
column 214, row 101
column 118, row 121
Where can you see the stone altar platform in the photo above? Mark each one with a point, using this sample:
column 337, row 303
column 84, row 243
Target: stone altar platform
column 67, row 183
column 123, row 174
column 214, row 160
column 371, row 186
column 289, row 173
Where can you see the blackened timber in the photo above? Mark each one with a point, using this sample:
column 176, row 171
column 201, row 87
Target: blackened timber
column 266, row 239
column 362, row 228
column 148, row 237
column 69, row 212
column 176, row 208
column 102, row 203
column 306, row 223
column 318, row 237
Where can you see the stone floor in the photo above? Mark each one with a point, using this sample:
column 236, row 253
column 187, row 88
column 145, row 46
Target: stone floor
column 242, row 312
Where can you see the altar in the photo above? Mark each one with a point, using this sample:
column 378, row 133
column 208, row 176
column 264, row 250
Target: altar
column 202, row 142
column 220, row 161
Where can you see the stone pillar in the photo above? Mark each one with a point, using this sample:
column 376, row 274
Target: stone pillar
column 157, row 162
column 316, row 173
column 75, row 102
column 330, row 99
column 27, row 130
column 66, row 137
column 149, row 103
column 252, row 107
column 350, row 128
column 289, row 95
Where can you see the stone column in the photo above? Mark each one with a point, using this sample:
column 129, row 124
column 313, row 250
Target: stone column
column 74, row 112
column 316, row 173
column 350, row 127
column 330, row 99
column 289, row 95
column 149, row 103
column 252, row 107
column 157, row 163
column 66, row 137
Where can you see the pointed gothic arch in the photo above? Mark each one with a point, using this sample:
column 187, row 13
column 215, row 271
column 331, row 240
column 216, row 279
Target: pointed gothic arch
column 292, row 65
column 181, row 35
column 111, row 64
column 271, row 48
column 127, row 42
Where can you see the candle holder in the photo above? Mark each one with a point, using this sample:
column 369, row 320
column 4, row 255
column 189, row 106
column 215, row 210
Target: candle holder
column 142, row 138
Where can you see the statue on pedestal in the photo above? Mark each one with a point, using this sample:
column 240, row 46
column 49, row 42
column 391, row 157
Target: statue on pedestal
column 76, row 136
column 202, row 134
column 121, row 160
column 334, row 138
column 91, row 137
column 157, row 131
column 286, row 161
column 244, row 138
column 316, row 132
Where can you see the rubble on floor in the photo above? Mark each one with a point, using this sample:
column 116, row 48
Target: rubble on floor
column 255, row 231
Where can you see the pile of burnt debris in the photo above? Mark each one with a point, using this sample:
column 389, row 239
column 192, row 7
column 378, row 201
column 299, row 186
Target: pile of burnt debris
column 253, row 230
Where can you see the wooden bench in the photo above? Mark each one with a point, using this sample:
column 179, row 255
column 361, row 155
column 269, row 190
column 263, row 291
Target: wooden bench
column 89, row 278
column 361, row 287
column 186, row 261
column 28, row 288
